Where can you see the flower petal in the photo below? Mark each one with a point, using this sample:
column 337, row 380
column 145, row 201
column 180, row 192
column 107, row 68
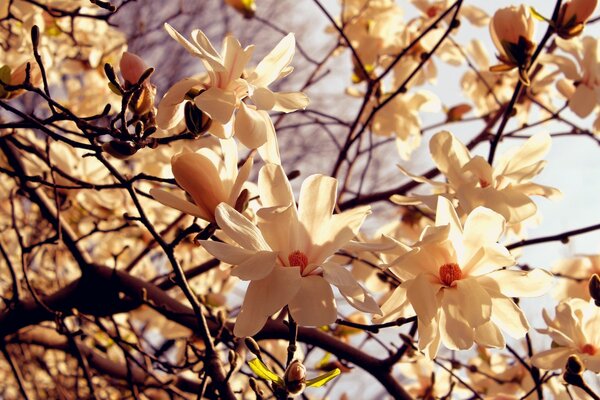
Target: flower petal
column 239, row 228
column 288, row 102
column 219, row 104
column 179, row 203
column 552, row 359
column 252, row 126
column 489, row 335
column 226, row 252
column 313, row 304
column 274, row 63
column 422, row 296
column 475, row 303
column 265, row 297
column 456, row 333
column 513, row 283
column 354, row 293
column 170, row 109
column 508, row 316
column 256, row 267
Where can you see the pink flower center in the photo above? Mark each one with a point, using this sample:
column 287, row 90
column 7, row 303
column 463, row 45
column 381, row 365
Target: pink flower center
column 298, row 259
column 588, row 349
column 484, row 183
column 449, row 273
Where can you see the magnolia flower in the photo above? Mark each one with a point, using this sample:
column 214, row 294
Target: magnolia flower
column 218, row 93
column 132, row 68
column 456, row 282
column 574, row 330
column 400, row 118
column 499, row 376
column 582, row 86
column 286, row 257
column 208, row 177
column 504, row 188
column 275, row 65
column 572, row 17
column 575, row 275
column 221, row 93
column 370, row 26
column 512, row 32
column 17, row 77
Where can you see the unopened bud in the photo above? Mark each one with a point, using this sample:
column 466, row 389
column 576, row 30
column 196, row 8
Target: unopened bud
column 245, row 7
column 255, row 388
column 253, row 347
column 574, row 365
column 594, row 287
column 132, row 67
column 295, row 378
column 142, row 101
column 120, row 149
column 572, row 17
column 196, row 121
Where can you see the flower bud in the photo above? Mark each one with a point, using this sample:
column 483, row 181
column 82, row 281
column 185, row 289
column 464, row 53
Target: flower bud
column 574, row 365
column 245, row 7
column 196, row 120
column 295, row 378
column 512, row 30
column 132, row 67
column 142, row 102
column 594, row 288
column 572, row 17
column 120, row 149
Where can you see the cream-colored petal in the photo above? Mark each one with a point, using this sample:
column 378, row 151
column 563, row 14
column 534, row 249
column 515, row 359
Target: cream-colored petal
column 313, row 303
column 474, row 302
column 352, row 291
column 263, row 98
column 489, row 335
column 170, row 108
column 518, row 283
column 274, row 187
column 552, row 359
column 317, row 199
column 226, row 252
column 290, row 101
column 219, row 104
column 179, row 203
column 449, row 154
column 446, row 215
column 269, row 151
column 395, row 306
column 239, row 228
column 274, row 63
column 482, row 226
column 422, row 296
column 337, row 232
column 256, row 267
column 252, row 126
column 530, row 153
column 457, row 333
column 235, row 60
column 508, row 316
column 190, row 47
column 198, row 175
column 583, row 101
column 265, row 297
column 487, row 259
column 240, row 180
